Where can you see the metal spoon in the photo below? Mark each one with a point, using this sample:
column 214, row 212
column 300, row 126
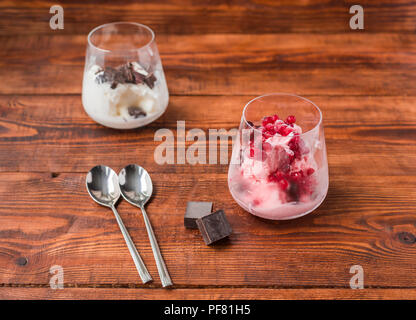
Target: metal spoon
column 136, row 187
column 102, row 185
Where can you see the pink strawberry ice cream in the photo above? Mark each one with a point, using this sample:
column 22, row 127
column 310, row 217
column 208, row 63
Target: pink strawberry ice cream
column 277, row 176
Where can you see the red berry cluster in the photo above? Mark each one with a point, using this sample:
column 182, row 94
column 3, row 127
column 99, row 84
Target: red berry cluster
column 294, row 183
column 270, row 126
column 273, row 125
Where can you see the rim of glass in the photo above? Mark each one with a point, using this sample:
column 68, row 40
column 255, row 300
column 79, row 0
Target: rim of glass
column 283, row 94
column 121, row 22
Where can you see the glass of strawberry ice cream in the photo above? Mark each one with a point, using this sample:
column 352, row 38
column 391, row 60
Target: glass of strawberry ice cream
column 279, row 167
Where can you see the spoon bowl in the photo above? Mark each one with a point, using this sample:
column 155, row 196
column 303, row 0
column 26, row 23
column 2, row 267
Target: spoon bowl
column 102, row 185
column 135, row 184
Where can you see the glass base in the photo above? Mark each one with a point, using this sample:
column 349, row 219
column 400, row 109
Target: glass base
column 313, row 205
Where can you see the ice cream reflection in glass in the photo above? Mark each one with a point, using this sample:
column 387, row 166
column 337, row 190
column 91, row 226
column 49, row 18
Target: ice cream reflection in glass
column 124, row 85
column 279, row 167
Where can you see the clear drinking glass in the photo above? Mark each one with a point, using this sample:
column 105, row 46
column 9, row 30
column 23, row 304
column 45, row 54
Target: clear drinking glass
column 124, row 85
column 279, row 167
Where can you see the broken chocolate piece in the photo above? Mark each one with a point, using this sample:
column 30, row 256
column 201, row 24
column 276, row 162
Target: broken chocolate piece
column 138, row 77
column 195, row 210
column 214, row 227
column 150, row 80
column 136, row 112
column 125, row 74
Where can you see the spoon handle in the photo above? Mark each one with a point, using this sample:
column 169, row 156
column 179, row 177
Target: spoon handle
column 141, row 268
column 160, row 263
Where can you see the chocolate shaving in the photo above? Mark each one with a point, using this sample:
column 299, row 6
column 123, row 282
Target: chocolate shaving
column 136, row 112
column 125, row 74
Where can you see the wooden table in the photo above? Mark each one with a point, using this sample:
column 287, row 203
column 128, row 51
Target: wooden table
column 216, row 56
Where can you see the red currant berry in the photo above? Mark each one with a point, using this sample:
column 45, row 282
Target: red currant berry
column 267, row 120
column 285, row 130
column 290, row 120
column 310, row 171
column 283, row 184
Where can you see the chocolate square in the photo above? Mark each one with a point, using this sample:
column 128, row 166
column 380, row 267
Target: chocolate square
column 195, row 210
column 214, row 227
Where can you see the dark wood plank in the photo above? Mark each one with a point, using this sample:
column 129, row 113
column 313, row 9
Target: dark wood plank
column 52, row 221
column 364, row 135
column 204, row 294
column 219, row 50
column 202, row 16
column 393, row 80
column 353, row 64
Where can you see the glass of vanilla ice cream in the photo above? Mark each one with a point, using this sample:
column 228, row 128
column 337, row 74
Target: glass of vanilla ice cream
column 124, row 86
column 279, row 167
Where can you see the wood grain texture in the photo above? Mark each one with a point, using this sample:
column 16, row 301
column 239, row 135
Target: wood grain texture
column 202, row 16
column 217, row 56
column 348, row 64
column 364, row 135
column 204, row 294
column 362, row 222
